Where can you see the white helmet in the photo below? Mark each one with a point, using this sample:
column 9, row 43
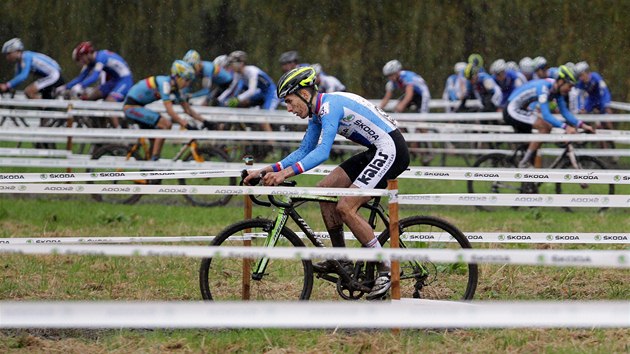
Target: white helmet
column 498, row 66
column 220, row 61
column 511, row 65
column 581, row 67
column 459, row 67
column 527, row 65
column 392, row 67
column 12, row 45
column 540, row 63
column 317, row 67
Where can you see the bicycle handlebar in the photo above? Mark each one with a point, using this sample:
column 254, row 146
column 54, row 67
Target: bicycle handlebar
column 272, row 200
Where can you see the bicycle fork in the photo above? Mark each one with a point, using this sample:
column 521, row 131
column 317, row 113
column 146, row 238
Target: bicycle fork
column 270, row 241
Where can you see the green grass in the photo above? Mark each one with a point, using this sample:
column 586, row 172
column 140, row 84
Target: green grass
column 167, row 278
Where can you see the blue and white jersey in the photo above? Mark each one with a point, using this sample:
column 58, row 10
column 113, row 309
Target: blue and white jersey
column 328, row 83
column 36, row 63
column 537, row 94
column 111, row 63
column 346, row 114
column 152, row 89
column 510, row 82
column 254, row 78
column 598, row 94
column 410, row 78
column 212, row 75
column 486, row 86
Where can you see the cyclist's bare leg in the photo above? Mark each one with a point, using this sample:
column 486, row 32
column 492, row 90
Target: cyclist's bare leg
column 32, row 92
column 165, row 124
column 543, row 128
column 113, row 120
column 332, row 219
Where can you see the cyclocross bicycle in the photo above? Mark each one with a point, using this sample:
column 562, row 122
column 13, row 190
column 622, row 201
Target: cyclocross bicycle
column 292, row 279
column 568, row 159
column 141, row 150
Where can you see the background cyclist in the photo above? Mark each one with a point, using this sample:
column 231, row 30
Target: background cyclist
column 161, row 87
column 483, row 88
column 118, row 75
column 358, row 120
column 27, row 62
column 214, row 77
column 538, row 94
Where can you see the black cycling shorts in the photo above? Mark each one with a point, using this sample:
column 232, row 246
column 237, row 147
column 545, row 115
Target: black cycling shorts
column 519, row 127
column 373, row 167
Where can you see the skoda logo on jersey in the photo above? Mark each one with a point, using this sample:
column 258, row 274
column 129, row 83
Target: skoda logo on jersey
column 349, row 118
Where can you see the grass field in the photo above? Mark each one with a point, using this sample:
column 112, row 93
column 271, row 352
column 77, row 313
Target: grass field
column 138, row 278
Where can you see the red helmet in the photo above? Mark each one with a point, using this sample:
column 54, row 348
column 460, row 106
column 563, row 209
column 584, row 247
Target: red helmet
column 82, row 49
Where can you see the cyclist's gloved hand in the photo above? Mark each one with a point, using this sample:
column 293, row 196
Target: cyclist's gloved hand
column 208, row 125
column 232, row 102
column 60, row 90
column 76, row 90
column 190, row 126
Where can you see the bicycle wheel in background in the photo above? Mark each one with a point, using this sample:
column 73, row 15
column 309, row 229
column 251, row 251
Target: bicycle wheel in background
column 494, row 161
column 290, row 279
column 586, row 163
column 429, row 280
column 116, row 153
column 209, row 154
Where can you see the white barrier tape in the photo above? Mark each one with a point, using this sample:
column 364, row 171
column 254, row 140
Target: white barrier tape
column 405, row 313
column 34, row 152
column 520, row 175
column 113, row 176
column 440, row 173
column 47, row 188
column 295, row 136
column 535, row 200
column 560, row 258
column 620, row 105
column 473, row 237
column 114, row 163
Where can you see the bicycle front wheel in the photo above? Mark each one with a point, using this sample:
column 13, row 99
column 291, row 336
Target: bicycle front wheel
column 493, row 161
column 209, row 154
column 431, row 280
column 221, row 279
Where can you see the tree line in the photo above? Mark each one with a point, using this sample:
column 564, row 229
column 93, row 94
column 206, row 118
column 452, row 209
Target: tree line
column 352, row 39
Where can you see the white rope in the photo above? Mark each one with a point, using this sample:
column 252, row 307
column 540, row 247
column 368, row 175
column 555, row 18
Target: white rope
column 406, row 313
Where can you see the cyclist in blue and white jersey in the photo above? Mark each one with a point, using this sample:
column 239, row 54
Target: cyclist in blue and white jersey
column 118, row 75
column 540, row 68
column 27, row 62
column 484, row 88
column 539, row 94
column 598, row 95
column 507, row 80
column 327, row 83
column 358, row 120
column 415, row 88
column 162, row 88
column 455, row 87
column 214, row 77
column 526, row 66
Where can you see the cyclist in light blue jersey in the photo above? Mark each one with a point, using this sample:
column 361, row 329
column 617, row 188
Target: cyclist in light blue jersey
column 455, row 87
column 214, row 77
column 507, row 80
column 539, row 94
column 484, row 88
column 358, row 120
column 27, row 62
column 413, row 86
column 168, row 89
column 118, row 75
column 327, row 83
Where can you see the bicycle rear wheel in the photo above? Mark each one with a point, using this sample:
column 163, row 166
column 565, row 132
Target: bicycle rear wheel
column 493, row 161
column 283, row 279
column 429, row 280
column 586, row 163
column 209, row 154
column 114, row 153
